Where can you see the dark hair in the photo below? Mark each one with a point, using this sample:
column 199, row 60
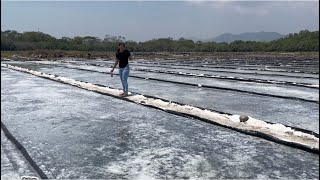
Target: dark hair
column 121, row 44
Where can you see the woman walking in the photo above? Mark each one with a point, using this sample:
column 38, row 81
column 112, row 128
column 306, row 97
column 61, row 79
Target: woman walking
column 122, row 58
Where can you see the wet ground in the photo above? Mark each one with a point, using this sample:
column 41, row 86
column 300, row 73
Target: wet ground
column 273, row 109
column 74, row 133
column 13, row 163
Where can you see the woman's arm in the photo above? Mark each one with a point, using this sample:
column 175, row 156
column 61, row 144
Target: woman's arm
column 115, row 65
column 130, row 56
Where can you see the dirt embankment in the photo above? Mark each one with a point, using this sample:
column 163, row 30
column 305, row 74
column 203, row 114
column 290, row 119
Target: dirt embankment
column 52, row 55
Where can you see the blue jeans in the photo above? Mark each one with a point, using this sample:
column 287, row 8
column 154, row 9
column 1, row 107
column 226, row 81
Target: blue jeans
column 124, row 74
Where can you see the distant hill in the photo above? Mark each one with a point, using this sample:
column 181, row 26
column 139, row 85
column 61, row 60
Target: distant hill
column 304, row 40
column 249, row 36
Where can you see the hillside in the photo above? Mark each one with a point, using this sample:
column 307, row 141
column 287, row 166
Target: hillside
column 249, row 36
column 14, row 41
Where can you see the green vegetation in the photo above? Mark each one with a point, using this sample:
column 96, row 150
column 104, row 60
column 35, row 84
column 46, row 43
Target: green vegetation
column 15, row 41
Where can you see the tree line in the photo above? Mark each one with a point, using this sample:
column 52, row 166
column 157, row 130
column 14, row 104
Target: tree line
column 14, row 41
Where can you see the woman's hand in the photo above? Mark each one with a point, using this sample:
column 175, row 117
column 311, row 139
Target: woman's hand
column 111, row 72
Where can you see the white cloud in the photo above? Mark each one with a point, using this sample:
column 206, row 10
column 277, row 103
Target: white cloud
column 240, row 7
column 258, row 8
column 251, row 10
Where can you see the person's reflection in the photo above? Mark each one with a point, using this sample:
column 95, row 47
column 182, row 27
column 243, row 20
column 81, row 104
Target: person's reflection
column 123, row 141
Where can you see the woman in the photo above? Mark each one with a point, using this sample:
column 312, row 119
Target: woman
column 122, row 58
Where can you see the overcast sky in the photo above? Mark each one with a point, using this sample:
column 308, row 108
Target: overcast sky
column 145, row 20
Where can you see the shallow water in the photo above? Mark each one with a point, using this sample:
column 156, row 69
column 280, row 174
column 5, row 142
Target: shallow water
column 74, row 133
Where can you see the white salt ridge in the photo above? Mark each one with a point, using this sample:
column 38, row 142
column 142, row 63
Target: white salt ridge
column 313, row 85
column 276, row 130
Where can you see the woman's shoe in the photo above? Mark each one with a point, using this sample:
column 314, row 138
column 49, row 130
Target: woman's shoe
column 124, row 95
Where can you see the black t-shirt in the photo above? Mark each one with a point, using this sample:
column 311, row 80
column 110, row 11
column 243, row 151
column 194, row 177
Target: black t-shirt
column 123, row 58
